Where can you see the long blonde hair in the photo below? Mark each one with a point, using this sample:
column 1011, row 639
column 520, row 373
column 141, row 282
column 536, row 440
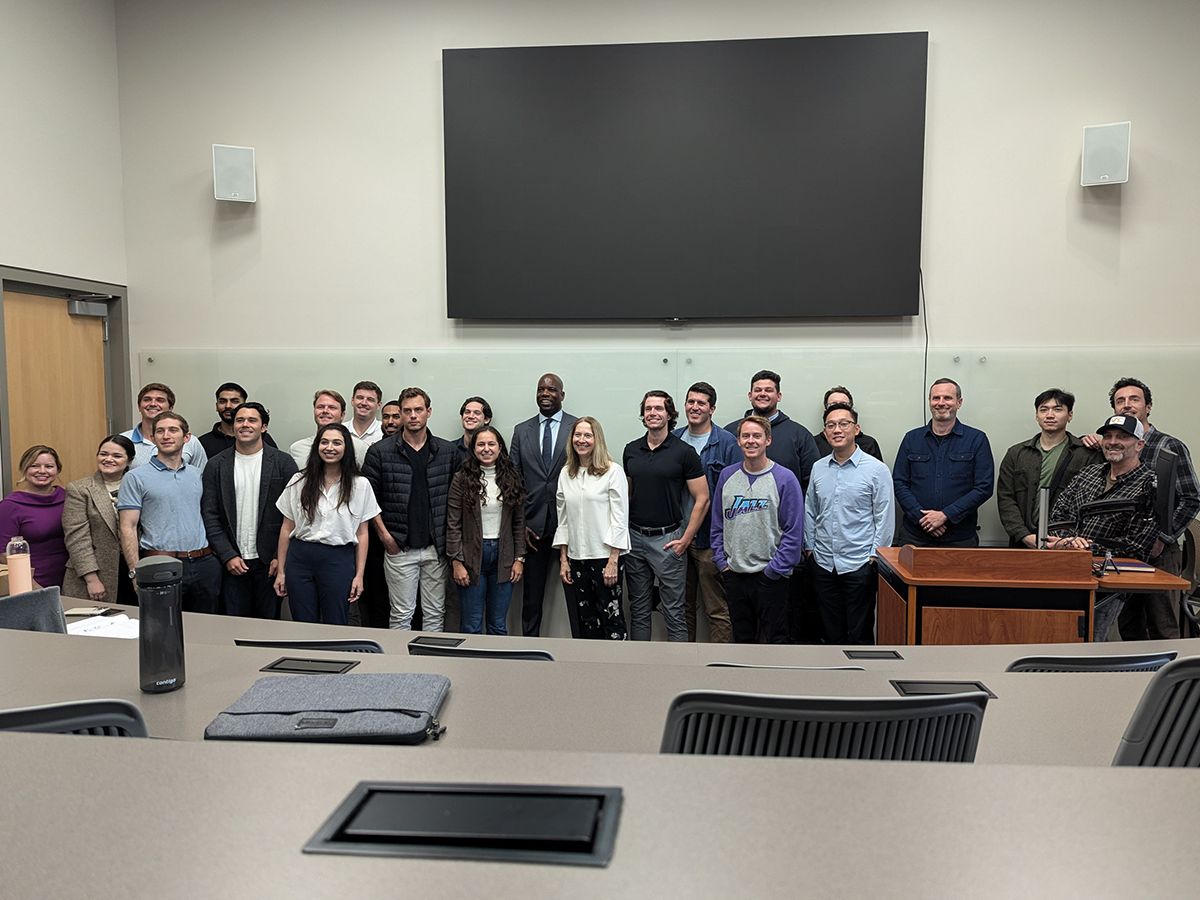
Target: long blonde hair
column 600, row 458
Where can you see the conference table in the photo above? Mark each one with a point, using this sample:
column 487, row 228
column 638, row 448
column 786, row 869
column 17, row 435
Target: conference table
column 95, row 818
column 983, row 658
column 1041, row 811
column 1065, row 720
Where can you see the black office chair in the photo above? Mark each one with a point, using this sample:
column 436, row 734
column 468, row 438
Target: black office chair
column 39, row 610
column 1138, row 662
column 112, row 718
column 941, row 728
column 741, row 665
column 349, row 646
column 1165, row 728
column 477, row 652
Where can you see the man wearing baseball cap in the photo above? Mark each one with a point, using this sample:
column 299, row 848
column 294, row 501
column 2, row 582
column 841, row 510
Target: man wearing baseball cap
column 1129, row 527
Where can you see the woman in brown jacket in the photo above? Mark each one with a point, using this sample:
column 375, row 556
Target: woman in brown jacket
column 96, row 570
column 485, row 532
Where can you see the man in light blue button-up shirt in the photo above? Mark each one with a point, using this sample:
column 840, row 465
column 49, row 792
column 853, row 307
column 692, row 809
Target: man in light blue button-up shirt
column 848, row 513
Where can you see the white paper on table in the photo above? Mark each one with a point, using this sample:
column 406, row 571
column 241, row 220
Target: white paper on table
column 118, row 626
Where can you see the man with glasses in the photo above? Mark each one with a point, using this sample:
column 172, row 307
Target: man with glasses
column 848, row 514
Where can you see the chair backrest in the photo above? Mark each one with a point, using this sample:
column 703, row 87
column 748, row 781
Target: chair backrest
column 742, row 665
column 112, row 718
column 1165, row 728
column 1139, row 662
column 477, row 652
column 349, row 646
column 39, row 610
column 940, row 728
column 1190, row 568
column 1164, row 496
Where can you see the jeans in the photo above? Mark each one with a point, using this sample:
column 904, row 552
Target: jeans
column 251, row 595
column 487, row 592
column 317, row 578
column 404, row 572
column 1105, row 613
column 1154, row 617
column 646, row 561
column 201, row 586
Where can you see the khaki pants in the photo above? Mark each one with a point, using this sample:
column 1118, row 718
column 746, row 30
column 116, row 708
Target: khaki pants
column 704, row 584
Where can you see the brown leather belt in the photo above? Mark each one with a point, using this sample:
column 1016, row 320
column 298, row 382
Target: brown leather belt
column 178, row 554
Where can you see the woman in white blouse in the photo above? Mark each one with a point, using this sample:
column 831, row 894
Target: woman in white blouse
column 593, row 531
column 323, row 542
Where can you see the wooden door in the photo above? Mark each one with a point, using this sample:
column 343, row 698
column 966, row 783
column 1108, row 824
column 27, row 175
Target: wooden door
column 56, row 393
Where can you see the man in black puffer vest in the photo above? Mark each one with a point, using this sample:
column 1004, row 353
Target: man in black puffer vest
column 410, row 473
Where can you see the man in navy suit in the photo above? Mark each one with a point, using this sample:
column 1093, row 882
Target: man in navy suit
column 539, row 450
column 241, row 485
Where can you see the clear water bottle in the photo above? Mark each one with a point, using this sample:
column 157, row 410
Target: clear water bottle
column 20, row 568
column 160, row 631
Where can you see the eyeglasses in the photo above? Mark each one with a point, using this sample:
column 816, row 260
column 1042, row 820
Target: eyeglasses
column 839, row 426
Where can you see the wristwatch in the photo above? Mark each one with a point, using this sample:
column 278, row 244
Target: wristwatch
column 520, row 559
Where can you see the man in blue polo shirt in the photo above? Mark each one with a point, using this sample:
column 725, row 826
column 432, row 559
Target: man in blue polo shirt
column 163, row 498
column 944, row 472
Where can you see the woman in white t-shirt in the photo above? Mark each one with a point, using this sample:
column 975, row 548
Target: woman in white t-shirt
column 593, row 531
column 323, row 542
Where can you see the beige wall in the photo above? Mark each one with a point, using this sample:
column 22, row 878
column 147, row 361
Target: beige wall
column 342, row 102
column 60, row 142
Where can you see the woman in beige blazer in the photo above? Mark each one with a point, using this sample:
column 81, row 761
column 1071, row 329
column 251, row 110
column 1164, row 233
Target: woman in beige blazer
column 96, row 570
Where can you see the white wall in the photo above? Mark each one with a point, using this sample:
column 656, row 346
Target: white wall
column 342, row 102
column 60, row 143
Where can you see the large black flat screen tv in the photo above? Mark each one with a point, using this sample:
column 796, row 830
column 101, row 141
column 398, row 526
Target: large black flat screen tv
column 745, row 179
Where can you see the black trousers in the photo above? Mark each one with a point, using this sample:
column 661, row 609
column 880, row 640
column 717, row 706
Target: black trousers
column 374, row 608
column 846, row 601
column 539, row 564
column 758, row 607
column 251, row 595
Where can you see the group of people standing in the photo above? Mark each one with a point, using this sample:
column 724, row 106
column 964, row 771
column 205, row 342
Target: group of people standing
column 769, row 531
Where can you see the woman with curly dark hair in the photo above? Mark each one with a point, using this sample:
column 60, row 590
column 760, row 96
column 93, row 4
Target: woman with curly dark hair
column 485, row 532
column 323, row 541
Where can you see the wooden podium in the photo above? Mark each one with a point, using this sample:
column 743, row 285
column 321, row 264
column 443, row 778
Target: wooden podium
column 951, row 595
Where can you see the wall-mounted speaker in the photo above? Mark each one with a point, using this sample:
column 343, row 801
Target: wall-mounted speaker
column 1105, row 154
column 233, row 173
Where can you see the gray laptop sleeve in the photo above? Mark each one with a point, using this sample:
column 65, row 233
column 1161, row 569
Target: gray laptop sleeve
column 372, row 709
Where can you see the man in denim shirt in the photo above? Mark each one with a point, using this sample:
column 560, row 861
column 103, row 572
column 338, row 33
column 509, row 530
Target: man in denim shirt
column 718, row 449
column 944, row 472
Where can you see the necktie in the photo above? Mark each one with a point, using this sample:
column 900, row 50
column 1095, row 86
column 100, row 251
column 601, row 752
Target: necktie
column 547, row 446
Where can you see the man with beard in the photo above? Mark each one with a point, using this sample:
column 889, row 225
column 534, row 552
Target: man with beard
column 1125, row 532
column 944, row 472
column 230, row 396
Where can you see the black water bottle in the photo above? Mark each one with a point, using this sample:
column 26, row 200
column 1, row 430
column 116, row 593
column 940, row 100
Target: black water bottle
column 160, row 633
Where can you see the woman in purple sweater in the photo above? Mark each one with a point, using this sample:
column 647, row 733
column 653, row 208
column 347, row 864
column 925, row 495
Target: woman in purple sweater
column 35, row 513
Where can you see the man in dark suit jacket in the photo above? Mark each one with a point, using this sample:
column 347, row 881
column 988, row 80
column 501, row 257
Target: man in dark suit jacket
column 539, row 451
column 247, row 478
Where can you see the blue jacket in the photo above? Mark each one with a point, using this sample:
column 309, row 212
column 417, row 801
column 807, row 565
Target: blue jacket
column 721, row 450
column 955, row 474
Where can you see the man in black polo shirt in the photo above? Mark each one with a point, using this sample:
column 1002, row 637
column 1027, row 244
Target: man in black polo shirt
column 660, row 467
